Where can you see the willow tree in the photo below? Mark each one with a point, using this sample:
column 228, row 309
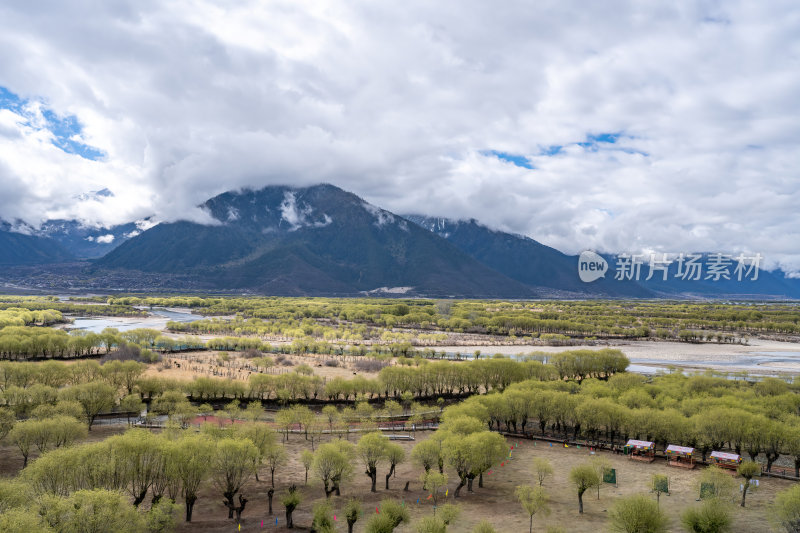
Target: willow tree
column 533, row 500
column 192, row 458
column 583, row 477
column 333, row 465
column 371, row 449
column 233, row 463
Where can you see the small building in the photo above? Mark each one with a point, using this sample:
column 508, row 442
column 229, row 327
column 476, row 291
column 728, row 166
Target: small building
column 641, row 450
column 725, row 460
column 681, row 456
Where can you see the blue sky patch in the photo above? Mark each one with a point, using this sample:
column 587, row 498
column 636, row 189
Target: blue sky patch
column 63, row 128
column 592, row 140
column 514, row 159
column 551, row 150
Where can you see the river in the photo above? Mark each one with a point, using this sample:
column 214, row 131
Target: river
column 157, row 319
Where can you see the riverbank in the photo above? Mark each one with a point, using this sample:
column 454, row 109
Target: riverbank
column 759, row 356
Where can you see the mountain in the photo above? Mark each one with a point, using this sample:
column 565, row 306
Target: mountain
column 767, row 283
column 533, row 263
column 317, row 240
column 20, row 249
column 86, row 241
column 524, row 259
column 324, row 241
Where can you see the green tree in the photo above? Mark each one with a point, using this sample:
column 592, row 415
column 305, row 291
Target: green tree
column 352, row 510
column 637, row 514
column 371, row 449
column 331, row 415
column 395, row 454
column 533, row 500
column 193, row 457
column 254, row 411
column 430, row 524
column 264, row 439
column 21, row 520
column 711, row 516
column 285, row 419
column 748, row 470
column 23, row 435
column 231, row 467
column 139, row 458
column 322, row 518
column 429, row 453
column 307, row 458
column 488, row 449
column 484, row 527
column 543, row 469
column 275, row 456
column 660, row 483
column 449, row 512
column 291, row 499
column 161, row 517
column 583, row 477
column 433, row 482
column 333, row 465
column 94, row 398
column 786, row 509
column 716, row 483
column 7, row 421
column 205, row 410
column 132, row 403
column 390, row 515
column 92, row 511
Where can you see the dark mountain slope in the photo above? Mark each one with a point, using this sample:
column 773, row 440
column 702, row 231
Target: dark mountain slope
column 313, row 240
column 19, row 249
column 523, row 259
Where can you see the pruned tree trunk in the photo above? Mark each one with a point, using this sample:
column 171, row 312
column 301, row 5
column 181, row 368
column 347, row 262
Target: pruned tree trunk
column 189, row 506
column 140, row 498
column 233, row 508
column 771, row 458
column 270, row 494
column 391, row 471
column 372, row 473
column 461, row 483
column 229, row 503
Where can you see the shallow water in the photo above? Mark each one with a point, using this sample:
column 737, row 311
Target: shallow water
column 157, row 319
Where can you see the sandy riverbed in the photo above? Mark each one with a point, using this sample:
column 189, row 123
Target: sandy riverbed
column 727, row 357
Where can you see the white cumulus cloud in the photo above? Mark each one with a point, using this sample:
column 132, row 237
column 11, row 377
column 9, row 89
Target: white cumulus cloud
column 412, row 105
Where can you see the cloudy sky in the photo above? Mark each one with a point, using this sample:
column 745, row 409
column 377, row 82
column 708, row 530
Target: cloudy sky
column 616, row 125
